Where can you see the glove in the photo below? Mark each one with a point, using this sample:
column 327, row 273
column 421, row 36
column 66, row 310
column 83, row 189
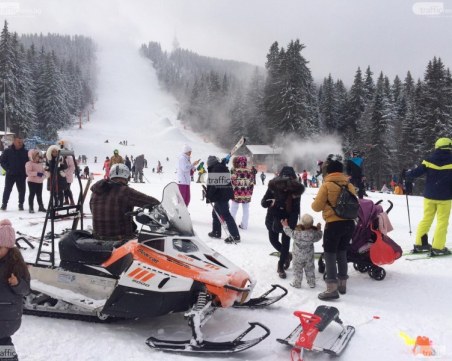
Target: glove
column 40, row 174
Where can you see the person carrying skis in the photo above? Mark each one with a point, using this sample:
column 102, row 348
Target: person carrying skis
column 355, row 171
column 304, row 235
column 282, row 201
column 35, row 172
column 13, row 162
column 14, row 285
column 110, row 202
column 338, row 231
column 437, row 198
column 184, row 170
column 219, row 192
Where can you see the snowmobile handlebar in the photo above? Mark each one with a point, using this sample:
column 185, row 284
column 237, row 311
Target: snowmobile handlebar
column 139, row 210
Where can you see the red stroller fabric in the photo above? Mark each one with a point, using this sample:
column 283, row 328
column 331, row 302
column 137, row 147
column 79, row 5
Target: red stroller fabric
column 384, row 250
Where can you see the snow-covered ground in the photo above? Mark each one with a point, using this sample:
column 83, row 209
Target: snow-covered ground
column 414, row 297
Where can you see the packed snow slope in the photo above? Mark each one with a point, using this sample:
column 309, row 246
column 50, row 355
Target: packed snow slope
column 413, row 298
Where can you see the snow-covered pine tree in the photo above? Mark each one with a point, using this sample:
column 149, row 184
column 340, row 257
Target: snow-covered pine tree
column 378, row 159
column 52, row 110
column 356, row 106
column 328, row 106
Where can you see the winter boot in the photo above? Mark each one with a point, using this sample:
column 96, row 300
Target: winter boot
column 30, row 210
column 342, row 287
column 231, row 239
column 42, row 209
column 331, row 291
column 424, row 247
column 21, row 207
column 295, row 284
column 214, row 234
column 287, row 261
column 3, row 208
column 440, row 252
column 281, row 272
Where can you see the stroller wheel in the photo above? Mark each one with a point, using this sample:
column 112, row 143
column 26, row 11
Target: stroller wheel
column 361, row 267
column 377, row 273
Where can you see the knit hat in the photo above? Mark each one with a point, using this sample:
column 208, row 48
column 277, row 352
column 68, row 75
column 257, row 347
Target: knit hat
column 211, row 160
column 186, row 149
column 307, row 220
column 334, row 166
column 7, row 234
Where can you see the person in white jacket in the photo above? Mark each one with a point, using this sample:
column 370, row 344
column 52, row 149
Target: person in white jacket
column 184, row 172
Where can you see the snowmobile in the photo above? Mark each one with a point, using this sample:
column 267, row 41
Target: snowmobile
column 166, row 269
column 321, row 331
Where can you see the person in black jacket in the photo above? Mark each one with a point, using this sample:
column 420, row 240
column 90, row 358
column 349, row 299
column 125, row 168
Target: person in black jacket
column 219, row 192
column 14, row 285
column 13, row 162
column 354, row 169
column 282, row 200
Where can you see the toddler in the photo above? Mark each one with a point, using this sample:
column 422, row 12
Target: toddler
column 304, row 236
column 14, row 285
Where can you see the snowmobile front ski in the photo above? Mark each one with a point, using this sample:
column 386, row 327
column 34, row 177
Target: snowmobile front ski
column 188, row 346
column 316, row 331
column 201, row 311
column 263, row 300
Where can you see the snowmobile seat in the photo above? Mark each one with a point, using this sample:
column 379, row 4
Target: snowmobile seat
column 327, row 314
column 81, row 247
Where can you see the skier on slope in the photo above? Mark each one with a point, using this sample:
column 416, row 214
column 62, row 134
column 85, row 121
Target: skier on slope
column 437, row 197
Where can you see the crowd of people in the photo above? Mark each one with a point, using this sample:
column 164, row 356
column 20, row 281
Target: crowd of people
column 112, row 200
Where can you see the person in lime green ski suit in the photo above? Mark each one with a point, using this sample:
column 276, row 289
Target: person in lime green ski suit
column 437, row 197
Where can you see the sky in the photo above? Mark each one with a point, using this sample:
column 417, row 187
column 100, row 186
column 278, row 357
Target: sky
column 339, row 35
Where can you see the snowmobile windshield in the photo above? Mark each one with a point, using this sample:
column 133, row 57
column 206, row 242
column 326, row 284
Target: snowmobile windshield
column 176, row 210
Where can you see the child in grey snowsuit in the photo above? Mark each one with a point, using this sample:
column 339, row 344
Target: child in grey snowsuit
column 304, row 235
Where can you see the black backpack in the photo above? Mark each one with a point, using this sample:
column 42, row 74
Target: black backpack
column 347, row 205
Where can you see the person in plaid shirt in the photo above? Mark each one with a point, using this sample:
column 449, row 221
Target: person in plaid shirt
column 110, row 201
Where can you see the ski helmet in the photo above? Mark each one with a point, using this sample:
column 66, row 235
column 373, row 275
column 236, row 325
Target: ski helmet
column 443, row 143
column 119, row 171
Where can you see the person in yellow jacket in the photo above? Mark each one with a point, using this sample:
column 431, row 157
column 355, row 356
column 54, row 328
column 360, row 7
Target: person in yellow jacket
column 437, row 198
column 338, row 231
column 116, row 158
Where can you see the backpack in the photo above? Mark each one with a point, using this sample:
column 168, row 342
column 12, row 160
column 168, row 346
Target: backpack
column 347, row 205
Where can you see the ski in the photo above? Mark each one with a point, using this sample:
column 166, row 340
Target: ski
column 238, row 145
column 425, row 255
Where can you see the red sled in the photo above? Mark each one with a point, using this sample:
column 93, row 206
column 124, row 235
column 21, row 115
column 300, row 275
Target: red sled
column 321, row 331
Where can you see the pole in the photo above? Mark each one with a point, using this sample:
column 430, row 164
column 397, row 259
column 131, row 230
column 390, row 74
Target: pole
column 4, row 104
column 408, row 209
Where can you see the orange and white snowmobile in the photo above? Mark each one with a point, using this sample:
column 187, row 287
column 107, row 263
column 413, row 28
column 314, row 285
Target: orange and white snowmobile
column 167, row 269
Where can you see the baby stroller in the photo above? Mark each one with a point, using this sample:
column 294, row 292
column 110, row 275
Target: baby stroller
column 370, row 247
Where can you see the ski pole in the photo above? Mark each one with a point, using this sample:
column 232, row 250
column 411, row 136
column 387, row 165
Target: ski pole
column 408, row 209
